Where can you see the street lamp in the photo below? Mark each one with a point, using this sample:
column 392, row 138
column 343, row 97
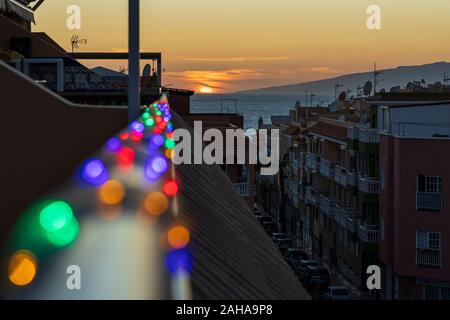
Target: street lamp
column 134, row 86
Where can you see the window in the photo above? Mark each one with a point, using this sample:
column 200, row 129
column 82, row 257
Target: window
column 428, row 240
column 436, row 293
column 430, row 184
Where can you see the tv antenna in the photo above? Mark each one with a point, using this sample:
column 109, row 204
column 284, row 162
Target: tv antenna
column 75, row 41
column 337, row 86
column 376, row 79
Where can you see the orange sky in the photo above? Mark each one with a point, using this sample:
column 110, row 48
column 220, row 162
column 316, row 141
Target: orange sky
column 232, row 45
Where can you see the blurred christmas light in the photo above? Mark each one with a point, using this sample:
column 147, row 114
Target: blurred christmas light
column 170, row 188
column 55, row 216
column 178, row 237
column 156, row 203
column 179, row 260
column 114, row 144
column 126, row 156
column 22, row 268
column 94, row 172
column 112, row 192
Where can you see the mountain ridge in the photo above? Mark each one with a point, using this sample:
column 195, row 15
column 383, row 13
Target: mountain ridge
column 391, row 77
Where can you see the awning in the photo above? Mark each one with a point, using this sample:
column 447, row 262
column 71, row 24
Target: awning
column 13, row 6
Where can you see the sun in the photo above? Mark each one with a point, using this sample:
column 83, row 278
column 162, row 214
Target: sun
column 206, row 90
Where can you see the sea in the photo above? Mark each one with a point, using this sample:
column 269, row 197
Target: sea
column 251, row 106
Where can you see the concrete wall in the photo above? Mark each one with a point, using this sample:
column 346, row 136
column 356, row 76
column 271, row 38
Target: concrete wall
column 44, row 138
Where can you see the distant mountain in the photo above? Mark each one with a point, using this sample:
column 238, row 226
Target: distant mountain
column 399, row 76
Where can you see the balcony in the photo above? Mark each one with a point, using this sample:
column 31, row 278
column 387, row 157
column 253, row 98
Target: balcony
column 345, row 217
column 352, row 179
column 430, row 201
column 295, row 165
column 301, row 160
column 369, row 136
column 295, row 199
column 311, row 197
column 242, row 188
column 327, row 205
column 428, row 258
column 369, row 234
column 340, row 176
column 353, row 133
column 326, row 168
column 369, row 185
column 312, row 162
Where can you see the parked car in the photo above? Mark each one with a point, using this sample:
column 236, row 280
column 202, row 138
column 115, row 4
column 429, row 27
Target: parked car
column 337, row 293
column 295, row 254
column 263, row 219
column 284, row 245
column 316, row 277
column 270, row 227
column 300, row 268
column 277, row 236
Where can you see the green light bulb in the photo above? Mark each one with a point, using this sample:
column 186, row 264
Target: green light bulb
column 55, row 216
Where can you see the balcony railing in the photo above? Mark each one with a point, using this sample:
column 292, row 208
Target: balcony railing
column 369, row 185
column 327, row 205
column 429, row 201
column 312, row 162
column 295, row 199
column 295, row 164
column 353, row 133
column 301, row 160
column 369, row 136
column 352, row 179
column 242, row 188
column 369, row 234
column 345, row 217
column 311, row 197
column 326, row 168
column 340, row 176
column 428, row 257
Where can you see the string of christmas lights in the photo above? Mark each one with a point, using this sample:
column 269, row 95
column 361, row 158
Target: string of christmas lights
column 54, row 224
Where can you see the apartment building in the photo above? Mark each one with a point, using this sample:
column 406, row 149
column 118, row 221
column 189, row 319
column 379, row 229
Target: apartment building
column 332, row 186
column 414, row 197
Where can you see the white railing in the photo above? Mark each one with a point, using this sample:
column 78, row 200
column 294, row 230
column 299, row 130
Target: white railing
column 242, row 188
column 340, row 176
column 352, row 179
column 326, row 168
column 369, row 185
column 312, row 162
column 295, row 199
column 369, row 234
column 295, row 164
column 311, row 197
column 345, row 217
column 428, row 257
column 353, row 133
column 301, row 160
column 369, row 136
column 428, row 201
column 327, row 205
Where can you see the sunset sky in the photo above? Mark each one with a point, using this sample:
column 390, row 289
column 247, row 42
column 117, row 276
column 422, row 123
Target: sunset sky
column 233, row 45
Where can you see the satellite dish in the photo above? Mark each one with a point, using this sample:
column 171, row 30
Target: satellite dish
column 343, row 96
column 147, row 71
column 368, row 88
